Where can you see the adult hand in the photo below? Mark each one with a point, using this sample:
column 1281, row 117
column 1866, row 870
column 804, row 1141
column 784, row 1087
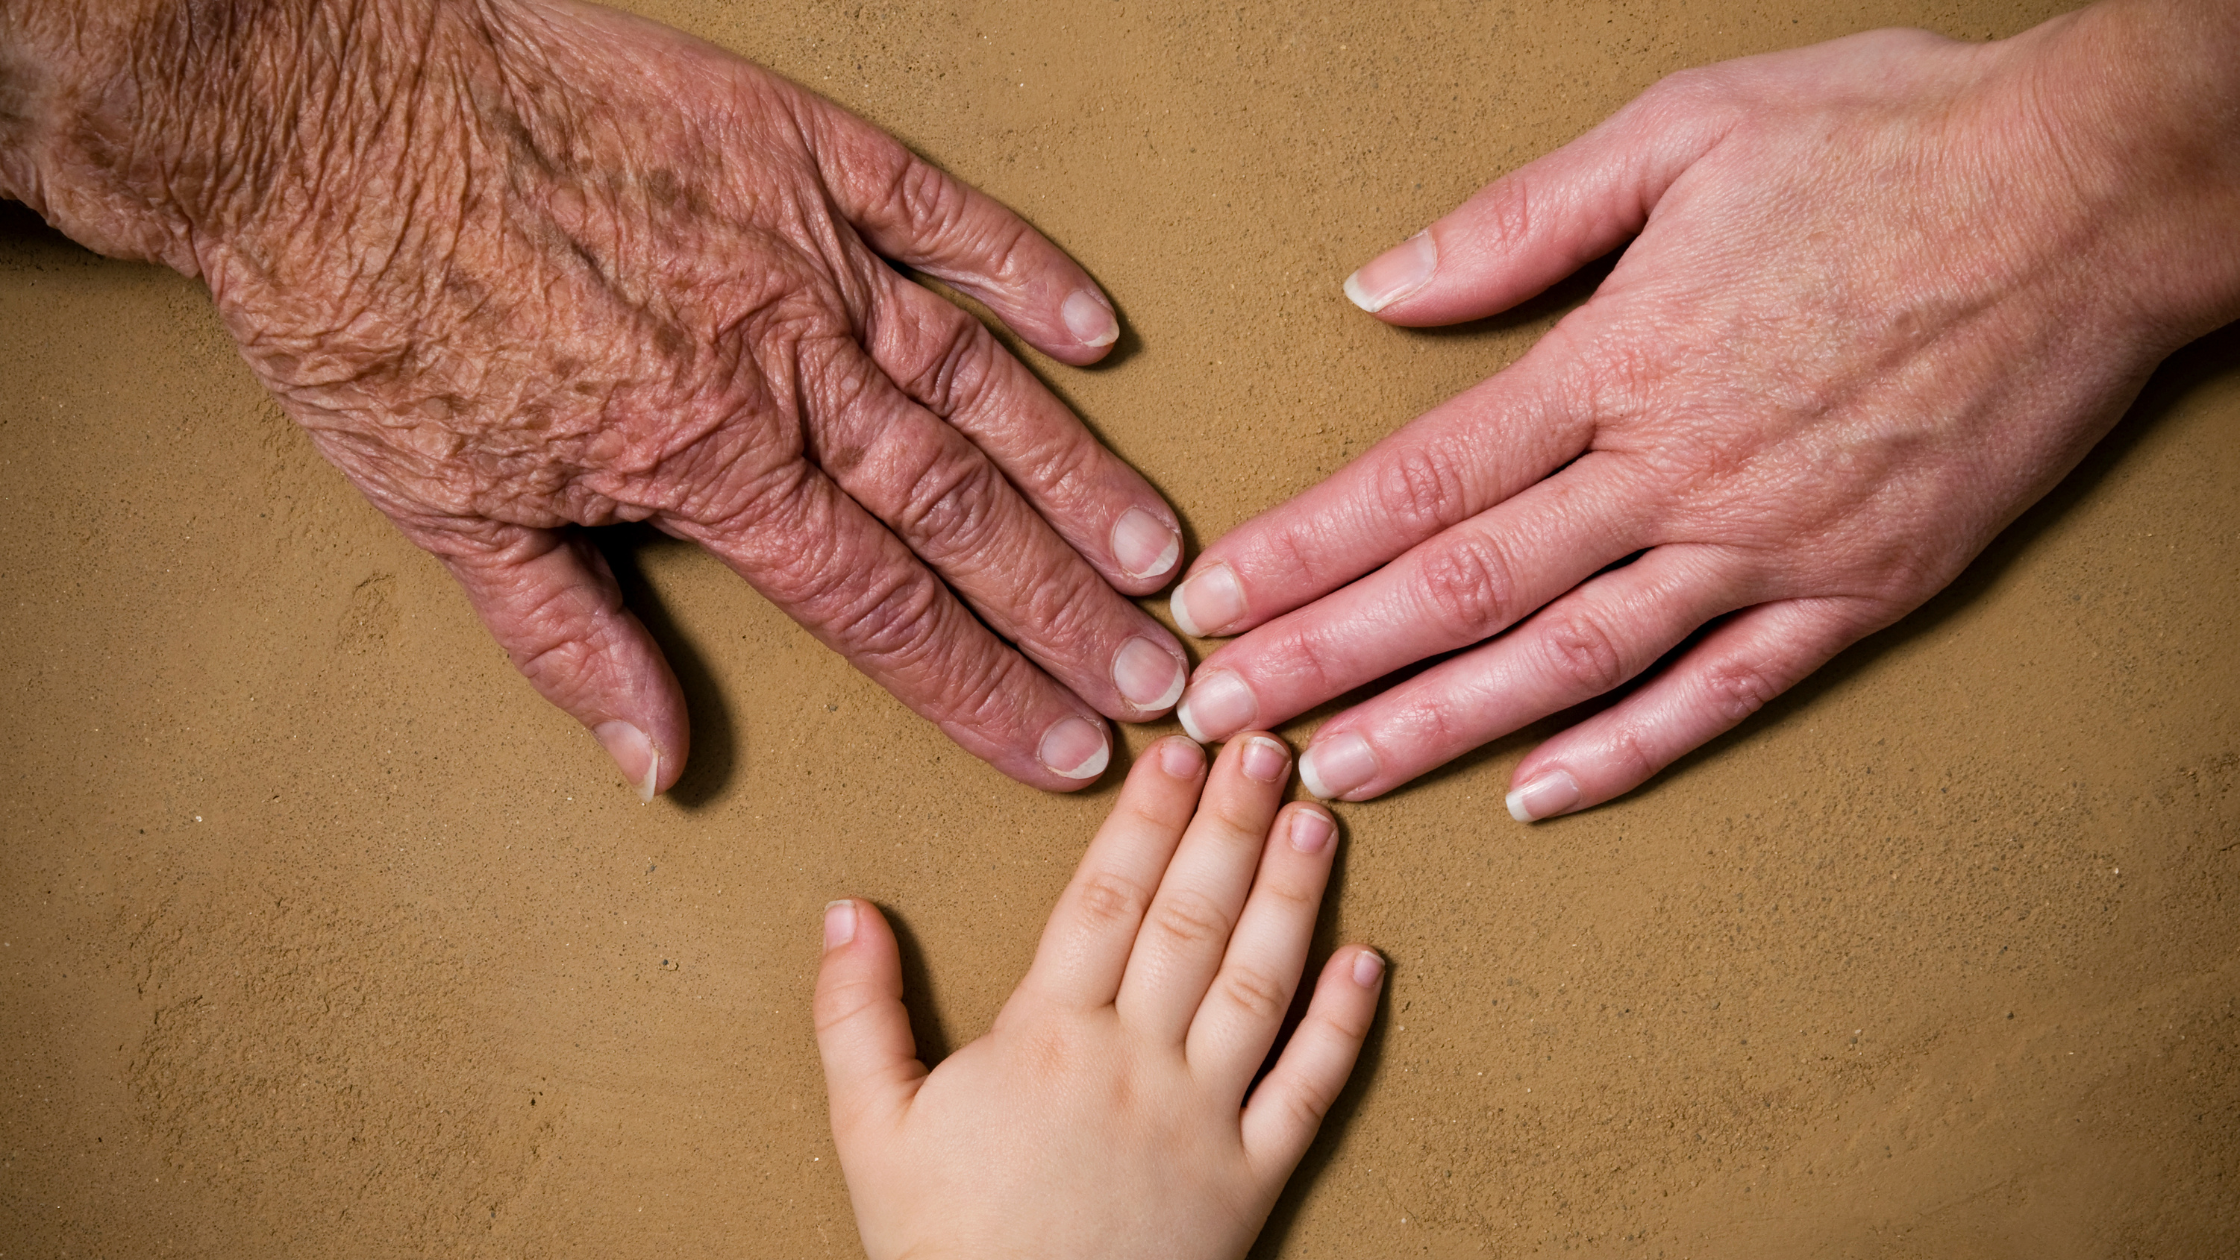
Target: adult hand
column 1885, row 292
column 1107, row 1113
column 519, row 264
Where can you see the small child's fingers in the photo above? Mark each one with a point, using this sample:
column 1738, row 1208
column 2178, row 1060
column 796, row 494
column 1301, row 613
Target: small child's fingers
column 871, row 1069
column 1244, row 1009
column 1187, row 929
column 1284, row 1112
column 1085, row 947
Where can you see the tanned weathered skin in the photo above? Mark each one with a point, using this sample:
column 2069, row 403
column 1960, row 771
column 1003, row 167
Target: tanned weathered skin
column 518, row 265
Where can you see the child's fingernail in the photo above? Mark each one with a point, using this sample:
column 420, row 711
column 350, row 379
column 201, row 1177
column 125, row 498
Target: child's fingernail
column 1394, row 274
column 1310, row 830
column 1074, row 748
column 1217, row 705
column 1207, row 601
column 1337, row 766
column 1090, row 318
column 1181, row 758
column 1545, row 796
column 1264, row 759
column 839, row 924
column 1144, row 545
column 1148, row 676
column 1367, row 966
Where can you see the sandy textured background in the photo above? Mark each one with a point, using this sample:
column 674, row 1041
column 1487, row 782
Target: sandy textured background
column 320, row 935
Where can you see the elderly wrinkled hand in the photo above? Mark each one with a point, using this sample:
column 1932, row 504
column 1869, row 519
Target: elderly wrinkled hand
column 520, row 265
column 1885, row 292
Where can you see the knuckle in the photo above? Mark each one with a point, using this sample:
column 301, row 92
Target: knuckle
column 1107, row 899
column 838, row 1003
column 954, row 507
column 1468, row 585
column 1582, row 655
column 894, row 619
column 1631, row 758
column 923, row 196
column 1255, row 992
column 1308, row 1103
column 951, row 372
column 1190, row 919
column 1738, row 689
column 1420, row 490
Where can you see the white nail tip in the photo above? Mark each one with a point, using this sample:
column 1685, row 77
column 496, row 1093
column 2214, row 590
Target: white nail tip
column 653, row 776
column 1311, row 780
column 1182, row 615
column 1165, row 561
column 1089, row 769
column 1515, row 801
column 1174, row 692
column 1360, row 297
column 1189, row 726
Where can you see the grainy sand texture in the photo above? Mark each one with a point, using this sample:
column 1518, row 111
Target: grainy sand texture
column 321, row 935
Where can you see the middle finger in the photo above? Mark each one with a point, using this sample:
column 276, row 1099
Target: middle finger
column 1460, row 587
column 955, row 509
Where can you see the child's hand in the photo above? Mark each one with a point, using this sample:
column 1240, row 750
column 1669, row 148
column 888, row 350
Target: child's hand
column 1105, row 1113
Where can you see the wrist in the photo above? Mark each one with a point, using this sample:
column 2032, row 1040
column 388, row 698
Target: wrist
column 153, row 129
column 2140, row 103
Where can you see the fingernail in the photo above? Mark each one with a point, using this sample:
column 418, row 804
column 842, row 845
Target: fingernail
column 635, row 754
column 1181, row 758
column 1337, row 766
column 1310, row 830
column 1075, row 748
column 1207, row 602
column 1144, row 545
column 1550, row 794
column 1265, row 760
column 1217, row 706
column 1367, row 966
column 1147, row 674
column 839, row 924
column 1394, row 274
column 1090, row 319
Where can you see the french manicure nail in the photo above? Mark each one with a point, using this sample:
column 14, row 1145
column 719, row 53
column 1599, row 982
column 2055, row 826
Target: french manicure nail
column 1144, row 545
column 1265, row 760
column 1367, row 966
column 1090, row 319
column 633, row 753
column 1310, row 830
column 1337, row 765
column 1075, row 748
column 1394, row 274
column 1147, row 674
column 1207, row 602
column 1181, row 758
column 1216, row 706
column 1544, row 797
column 839, row 924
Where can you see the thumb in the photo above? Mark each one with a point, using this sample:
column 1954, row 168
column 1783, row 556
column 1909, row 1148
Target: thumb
column 552, row 603
column 871, row 1068
column 1538, row 224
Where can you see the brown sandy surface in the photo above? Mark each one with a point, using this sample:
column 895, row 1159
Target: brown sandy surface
column 320, row 935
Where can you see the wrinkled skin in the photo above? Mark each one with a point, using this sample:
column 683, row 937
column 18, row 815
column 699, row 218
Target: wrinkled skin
column 519, row 265
column 1885, row 292
column 1113, row 1111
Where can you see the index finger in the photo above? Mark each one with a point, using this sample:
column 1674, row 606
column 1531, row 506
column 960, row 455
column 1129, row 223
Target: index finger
column 916, row 213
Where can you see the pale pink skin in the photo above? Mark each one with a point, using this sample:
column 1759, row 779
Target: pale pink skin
column 522, row 264
column 1885, row 292
column 1105, row 1116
